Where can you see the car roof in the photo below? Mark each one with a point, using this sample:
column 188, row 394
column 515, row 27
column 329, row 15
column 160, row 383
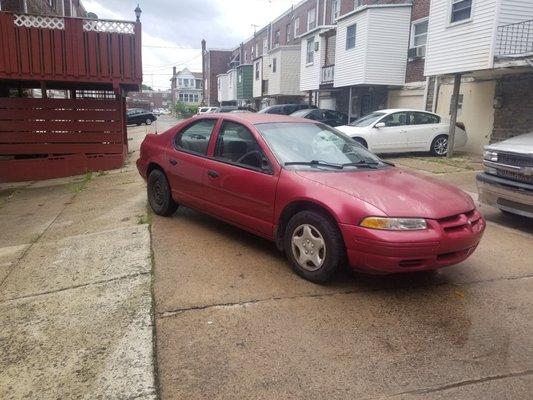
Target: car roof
column 257, row 118
column 391, row 110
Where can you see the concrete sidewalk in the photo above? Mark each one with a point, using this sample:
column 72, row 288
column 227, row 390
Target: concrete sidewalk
column 75, row 289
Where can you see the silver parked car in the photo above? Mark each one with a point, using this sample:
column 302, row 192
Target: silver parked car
column 507, row 182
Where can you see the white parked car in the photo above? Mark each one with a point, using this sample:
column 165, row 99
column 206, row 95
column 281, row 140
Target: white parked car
column 206, row 110
column 404, row 130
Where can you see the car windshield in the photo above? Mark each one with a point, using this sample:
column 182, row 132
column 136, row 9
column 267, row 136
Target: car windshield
column 368, row 119
column 315, row 145
column 300, row 113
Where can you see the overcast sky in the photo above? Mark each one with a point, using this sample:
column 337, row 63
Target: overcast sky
column 173, row 29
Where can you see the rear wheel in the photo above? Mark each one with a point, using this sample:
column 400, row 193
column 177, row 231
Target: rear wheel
column 439, row 146
column 159, row 194
column 314, row 246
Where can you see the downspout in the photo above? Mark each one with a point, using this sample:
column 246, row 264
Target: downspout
column 324, row 16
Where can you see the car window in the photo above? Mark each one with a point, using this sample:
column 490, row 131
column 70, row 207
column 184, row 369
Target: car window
column 421, row 118
column 395, row 119
column 332, row 114
column 237, row 145
column 367, row 119
column 195, row 138
column 315, row 115
column 276, row 110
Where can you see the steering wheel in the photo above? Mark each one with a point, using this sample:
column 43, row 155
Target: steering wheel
column 248, row 154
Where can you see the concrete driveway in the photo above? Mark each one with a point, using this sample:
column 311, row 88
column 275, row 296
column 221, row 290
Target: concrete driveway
column 234, row 322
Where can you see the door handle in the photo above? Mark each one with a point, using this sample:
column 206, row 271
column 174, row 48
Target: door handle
column 212, row 174
column 172, row 161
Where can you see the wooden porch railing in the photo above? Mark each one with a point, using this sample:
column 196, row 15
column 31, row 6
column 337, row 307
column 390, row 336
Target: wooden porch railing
column 42, row 48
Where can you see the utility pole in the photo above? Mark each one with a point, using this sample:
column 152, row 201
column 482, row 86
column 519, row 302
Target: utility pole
column 203, row 73
column 453, row 116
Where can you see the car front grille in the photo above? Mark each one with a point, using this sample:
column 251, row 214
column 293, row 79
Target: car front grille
column 515, row 176
column 515, row 160
column 460, row 222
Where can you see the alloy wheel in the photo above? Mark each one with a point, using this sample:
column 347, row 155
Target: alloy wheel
column 308, row 247
column 441, row 146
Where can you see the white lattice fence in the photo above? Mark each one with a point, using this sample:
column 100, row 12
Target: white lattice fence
column 38, row 21
column 99, row 25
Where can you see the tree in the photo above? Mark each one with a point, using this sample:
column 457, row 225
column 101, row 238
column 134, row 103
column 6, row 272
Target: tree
column 146, row 87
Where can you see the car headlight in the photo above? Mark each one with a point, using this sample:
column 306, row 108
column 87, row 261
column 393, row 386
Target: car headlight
column 394, row 224
column 490, row 155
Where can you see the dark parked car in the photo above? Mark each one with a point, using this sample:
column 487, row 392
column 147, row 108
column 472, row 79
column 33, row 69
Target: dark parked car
column 139, row 116
column 284, row 109
column 227, row 109
column 328, row 117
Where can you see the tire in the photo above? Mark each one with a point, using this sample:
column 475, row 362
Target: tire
column 311, row 231
column 361, row 141
column 439, row 146
column 148, row 121
column 159, row 194
column 138, row 123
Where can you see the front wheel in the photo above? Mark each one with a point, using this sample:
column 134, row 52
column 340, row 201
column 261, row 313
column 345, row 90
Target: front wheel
column 314, row 246
column 148, row 121
column 159, row 194
column 439, row 146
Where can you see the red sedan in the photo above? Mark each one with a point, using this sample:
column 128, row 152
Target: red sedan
column 319, row 195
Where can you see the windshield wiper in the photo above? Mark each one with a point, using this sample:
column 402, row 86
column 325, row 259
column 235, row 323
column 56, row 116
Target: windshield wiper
column 315, row 163
column 362, row 164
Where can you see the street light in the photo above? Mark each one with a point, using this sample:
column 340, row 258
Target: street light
column 138, row 12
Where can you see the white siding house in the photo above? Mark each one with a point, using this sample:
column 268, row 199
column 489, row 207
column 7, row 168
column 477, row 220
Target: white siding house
column 284, row 80
column 377, row 53
column 257, row 77
column 472, row 41
column 232, row 85
column 222, row 81
column 311, row 58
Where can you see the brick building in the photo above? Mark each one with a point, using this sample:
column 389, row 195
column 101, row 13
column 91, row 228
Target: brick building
column 149, row 99
column 214, row 62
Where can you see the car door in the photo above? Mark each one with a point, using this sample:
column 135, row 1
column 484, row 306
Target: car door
column 423, row 127
column 393, row 136
column 240, row 181
column 186, row 162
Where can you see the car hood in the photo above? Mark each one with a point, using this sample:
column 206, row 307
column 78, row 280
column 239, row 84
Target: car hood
column 397, row 192
column 517, row 144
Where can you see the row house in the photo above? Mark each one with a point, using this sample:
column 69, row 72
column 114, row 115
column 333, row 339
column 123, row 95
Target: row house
column 484, row 49
column 214, row 62
column 186, row 86
column 362, row 56
column 64, row 77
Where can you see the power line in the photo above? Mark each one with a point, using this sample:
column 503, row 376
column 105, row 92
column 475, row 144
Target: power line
column 155, row 67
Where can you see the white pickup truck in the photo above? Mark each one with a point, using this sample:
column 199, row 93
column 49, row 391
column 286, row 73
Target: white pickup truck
column 507, row 181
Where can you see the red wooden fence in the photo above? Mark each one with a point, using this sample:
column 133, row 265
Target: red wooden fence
column 47, row 138
column 69, row 49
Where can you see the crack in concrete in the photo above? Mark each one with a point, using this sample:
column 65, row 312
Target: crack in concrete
column 178, row 311
column 464, row 383
column 81, row 285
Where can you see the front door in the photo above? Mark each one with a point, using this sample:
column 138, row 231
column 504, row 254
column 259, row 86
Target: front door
column 186, row 162
column 240, row 185
column 393, row 136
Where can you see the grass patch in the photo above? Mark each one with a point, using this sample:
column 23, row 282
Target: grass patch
column 79, row 186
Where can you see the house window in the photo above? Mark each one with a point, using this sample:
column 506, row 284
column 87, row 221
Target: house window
column 276, row 38
column 257, row 71
column 350, row 36
column 296, row 26
column 461, row 10
column 245, row 56
column 419, row 37
column 265, row 45
column 288, row 33
column 309, row 54
column 335, row 10
column 311, row 19
column 181, row 96
column 274, row 65
column 179, row 81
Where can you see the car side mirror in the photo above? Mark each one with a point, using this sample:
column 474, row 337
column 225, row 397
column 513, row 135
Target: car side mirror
column 380, row 125
column 265, row 166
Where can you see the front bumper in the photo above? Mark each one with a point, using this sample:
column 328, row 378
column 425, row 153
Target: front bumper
column 385, row 252
column 505, row 194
